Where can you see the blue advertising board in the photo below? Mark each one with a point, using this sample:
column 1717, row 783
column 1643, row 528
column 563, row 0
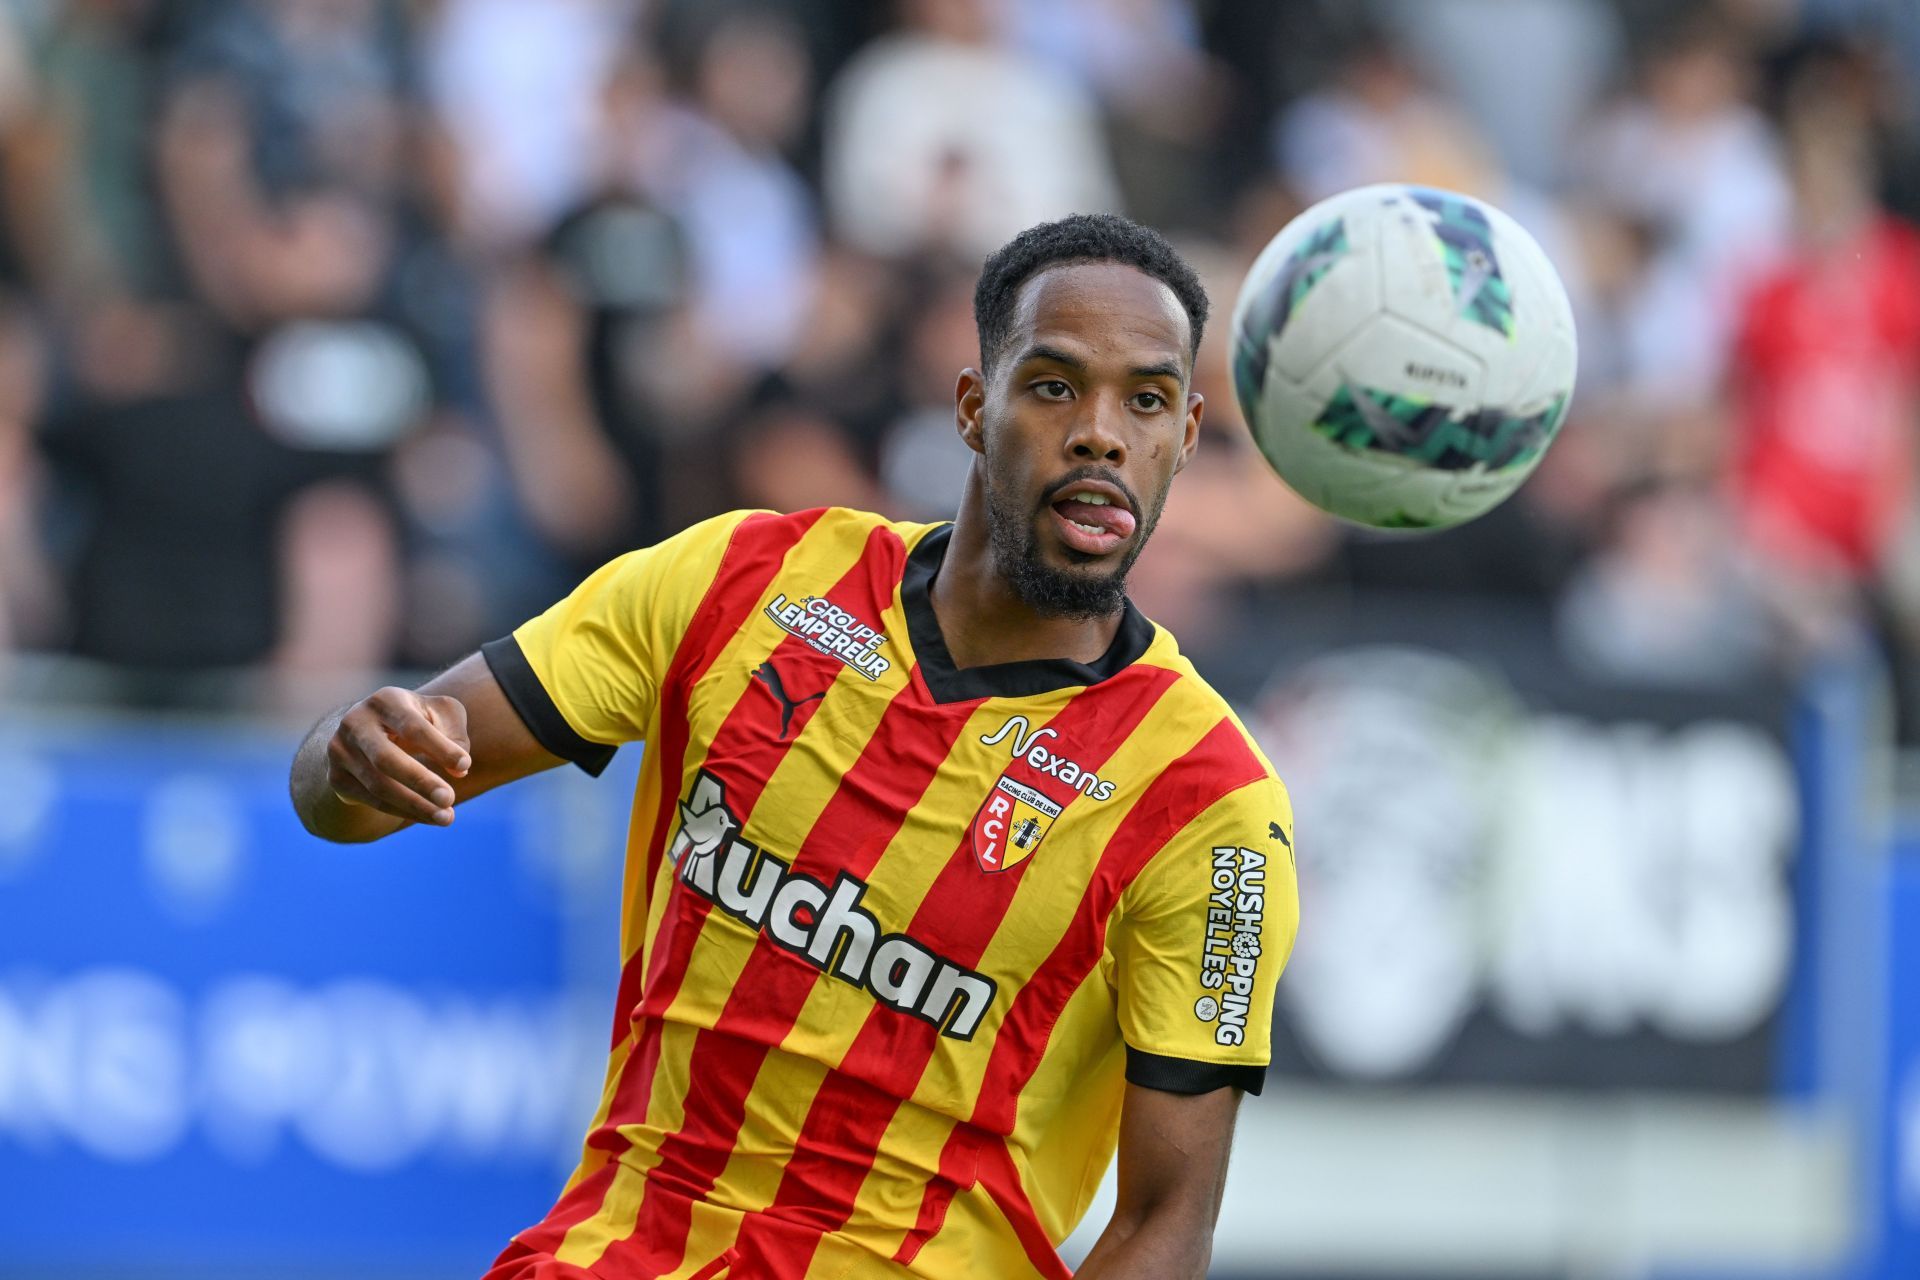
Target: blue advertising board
column 1899, row 1152
column 229, row 1048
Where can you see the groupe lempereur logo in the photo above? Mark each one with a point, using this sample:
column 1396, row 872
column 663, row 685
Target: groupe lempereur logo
column 833, row 631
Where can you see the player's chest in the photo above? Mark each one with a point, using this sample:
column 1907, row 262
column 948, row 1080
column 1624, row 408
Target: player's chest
column 870, row 765
column 836, row 759
column 971, row 836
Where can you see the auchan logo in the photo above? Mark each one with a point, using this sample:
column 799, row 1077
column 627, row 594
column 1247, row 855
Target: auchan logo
column 824, row 925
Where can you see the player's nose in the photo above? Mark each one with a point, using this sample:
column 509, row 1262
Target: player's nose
column 1097, row 434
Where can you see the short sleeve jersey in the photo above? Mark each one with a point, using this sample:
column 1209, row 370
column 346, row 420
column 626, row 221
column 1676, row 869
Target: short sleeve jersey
column 895, row 933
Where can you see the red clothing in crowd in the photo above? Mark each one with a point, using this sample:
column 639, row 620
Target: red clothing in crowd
column 1827, row 392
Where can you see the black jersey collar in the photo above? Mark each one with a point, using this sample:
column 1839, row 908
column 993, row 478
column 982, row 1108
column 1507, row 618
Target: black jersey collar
column 1003, row 679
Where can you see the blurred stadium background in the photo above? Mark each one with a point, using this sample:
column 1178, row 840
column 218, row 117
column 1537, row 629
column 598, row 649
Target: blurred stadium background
column 337, row 336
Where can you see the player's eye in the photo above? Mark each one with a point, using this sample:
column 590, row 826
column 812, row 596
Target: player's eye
column 1149, row 402
column 1052, row 389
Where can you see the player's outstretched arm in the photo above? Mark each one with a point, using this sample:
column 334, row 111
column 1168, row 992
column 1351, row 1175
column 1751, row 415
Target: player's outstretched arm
column 400, row 756
column 1173, row 1170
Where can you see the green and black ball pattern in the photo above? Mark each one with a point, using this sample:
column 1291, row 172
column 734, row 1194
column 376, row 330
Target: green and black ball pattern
column 1435, row 435
column 1465, row 237
column 1305, row 267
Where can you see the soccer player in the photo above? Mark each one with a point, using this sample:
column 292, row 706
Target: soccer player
column 946, row 873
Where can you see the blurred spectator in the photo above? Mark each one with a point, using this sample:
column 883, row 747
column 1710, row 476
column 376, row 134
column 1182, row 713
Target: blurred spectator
column 1165, row 97
column 663, row 298
column 1862, row 75
column 1272, row 54
column 276, row 99
column 227, row 452
column 80, row 205
column 1827, row 379
column 20, row 166
column 1891, row 23
column 577, row 356
column 207, row 542
column 1693, row 166
column 1527, row 91
column 517, row 87
column 1377, row 122
column 28, row 603
column 920, row 464
column 317, row 85
column 815, row 434
column 17, row 86
column 940, row 137
column 596, row 370
column 716, row 159
column 1667, row 598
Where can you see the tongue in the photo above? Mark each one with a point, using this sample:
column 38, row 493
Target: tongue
column 1114, row 520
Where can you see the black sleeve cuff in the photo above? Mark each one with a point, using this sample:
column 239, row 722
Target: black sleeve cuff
column 1180, row 1075
column 543, row 719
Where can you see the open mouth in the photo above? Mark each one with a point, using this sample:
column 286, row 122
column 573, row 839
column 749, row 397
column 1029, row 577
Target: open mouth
column 1093, row 518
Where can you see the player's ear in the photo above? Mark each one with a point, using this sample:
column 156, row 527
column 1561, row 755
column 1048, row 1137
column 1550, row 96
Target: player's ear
column 1196, row 409
column 969, row 403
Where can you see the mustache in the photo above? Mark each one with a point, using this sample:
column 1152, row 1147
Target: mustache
column 1081, row 474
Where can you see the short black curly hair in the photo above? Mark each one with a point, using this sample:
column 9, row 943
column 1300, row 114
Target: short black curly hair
column 1082, row 237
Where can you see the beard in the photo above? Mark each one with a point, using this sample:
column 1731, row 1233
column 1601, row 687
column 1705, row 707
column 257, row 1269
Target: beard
column 1054, row 592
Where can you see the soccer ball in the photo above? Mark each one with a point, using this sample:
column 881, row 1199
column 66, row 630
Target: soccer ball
column 1403, row 355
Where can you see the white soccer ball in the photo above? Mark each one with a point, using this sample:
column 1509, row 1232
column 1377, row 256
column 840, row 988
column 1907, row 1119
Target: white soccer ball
column 1404, row 355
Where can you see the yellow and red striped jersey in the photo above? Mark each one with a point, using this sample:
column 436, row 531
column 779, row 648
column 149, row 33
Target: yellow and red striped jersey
column 894, row 932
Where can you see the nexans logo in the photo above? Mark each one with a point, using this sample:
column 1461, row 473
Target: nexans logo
column 825, row 925
column 1026, row 745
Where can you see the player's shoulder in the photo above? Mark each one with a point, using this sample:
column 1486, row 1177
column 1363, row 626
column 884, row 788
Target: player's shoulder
column 1193, row 701
column 833, row 531
column 1187, row 689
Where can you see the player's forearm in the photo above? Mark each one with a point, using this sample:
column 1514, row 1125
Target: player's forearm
column 1170, row 1243
column 322, row 812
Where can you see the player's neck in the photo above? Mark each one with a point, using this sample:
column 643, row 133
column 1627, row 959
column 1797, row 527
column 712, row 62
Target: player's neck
column 984, row 620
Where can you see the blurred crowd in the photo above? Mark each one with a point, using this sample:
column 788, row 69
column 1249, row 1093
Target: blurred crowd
column 341, row 335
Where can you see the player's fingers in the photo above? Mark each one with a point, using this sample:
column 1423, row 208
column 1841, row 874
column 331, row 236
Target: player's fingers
column 449, row 715
column 389, row 795
column 345, row 770
column 396, row 782
column 349, row 788
column 415, row 779
column 404, row 716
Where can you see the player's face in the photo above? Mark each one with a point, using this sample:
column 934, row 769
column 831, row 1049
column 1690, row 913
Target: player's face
column 1082, row 427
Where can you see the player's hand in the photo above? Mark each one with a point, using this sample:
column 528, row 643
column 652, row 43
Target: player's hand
column 398, row 751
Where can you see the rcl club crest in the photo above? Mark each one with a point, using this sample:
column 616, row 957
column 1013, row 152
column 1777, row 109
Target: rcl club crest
column 1015, row 818
column 1016, row 815
column 1011, row 824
